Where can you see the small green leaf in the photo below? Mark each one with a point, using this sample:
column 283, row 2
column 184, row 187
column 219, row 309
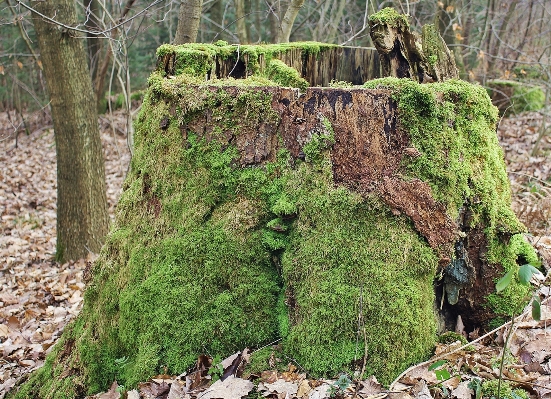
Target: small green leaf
column 536, row 309
column 442, row 375
column 437, row 364
column 525, row 273
column 505, row 281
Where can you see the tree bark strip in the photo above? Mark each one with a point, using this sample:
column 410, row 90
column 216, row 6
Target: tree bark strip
column 82, row 219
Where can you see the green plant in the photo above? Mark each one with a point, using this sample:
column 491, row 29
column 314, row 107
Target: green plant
column 216, row 370
column 442, row 374
column 339, row 386
column 524, row 273
column 476, row 386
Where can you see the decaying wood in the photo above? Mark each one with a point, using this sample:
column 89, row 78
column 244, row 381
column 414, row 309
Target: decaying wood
column 404, row 54
column 354, row 65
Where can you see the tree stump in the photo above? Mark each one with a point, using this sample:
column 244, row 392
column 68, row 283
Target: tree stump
column 339, row 220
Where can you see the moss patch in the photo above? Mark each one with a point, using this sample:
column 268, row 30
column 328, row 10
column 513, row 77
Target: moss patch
column 389, row 16
column 513, row 97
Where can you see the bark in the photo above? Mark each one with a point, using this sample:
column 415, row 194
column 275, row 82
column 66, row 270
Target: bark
column 240, row 21
column 82, row 219
column 288, row 20
column 94, row 42
column 189, row 18
column 274, row 20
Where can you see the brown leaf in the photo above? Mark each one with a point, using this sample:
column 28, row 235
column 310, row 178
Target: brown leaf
column 231, row 388
column 4, row 331
column 177, row 391
column 282, row 386
column 303, row 389
column 463, row 391
column 269, row 376
column 370, row 387
column 159, row 389
column 112, row 393
column 13, row 323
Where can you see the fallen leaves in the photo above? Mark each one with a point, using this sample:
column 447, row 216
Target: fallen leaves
column 38, row 296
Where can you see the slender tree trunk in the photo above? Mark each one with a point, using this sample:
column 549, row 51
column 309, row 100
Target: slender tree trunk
column 82, row 219
column 94, row 42
column 99, row 82
column 217, row 15
column 288, row 20
column 496, row 48
column 188, row 21
column 274, row 20
column 444, row 20
column 240, row 21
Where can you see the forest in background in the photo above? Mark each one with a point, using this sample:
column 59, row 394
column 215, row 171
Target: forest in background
column 491, row 39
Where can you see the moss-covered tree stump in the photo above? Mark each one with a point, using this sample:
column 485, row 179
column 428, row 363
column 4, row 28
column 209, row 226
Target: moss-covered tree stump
column 255, row 212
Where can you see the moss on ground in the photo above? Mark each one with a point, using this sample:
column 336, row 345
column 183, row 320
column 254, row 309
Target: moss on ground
column 207, row 256
column 515, row 97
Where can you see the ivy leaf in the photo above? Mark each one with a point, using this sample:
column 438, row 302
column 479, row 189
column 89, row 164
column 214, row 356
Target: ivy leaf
column 505, row 281
column 536, row 309
column 525, row 273
column 442, row 375
column 437, row 364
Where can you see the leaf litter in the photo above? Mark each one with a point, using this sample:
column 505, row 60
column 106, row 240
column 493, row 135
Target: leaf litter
column 39, row 296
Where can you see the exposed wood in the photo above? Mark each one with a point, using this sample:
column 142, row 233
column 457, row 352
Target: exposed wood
column 355, row 65
column 406, row 55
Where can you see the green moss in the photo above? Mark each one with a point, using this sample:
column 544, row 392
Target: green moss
column 514, row 298
column 453, row 125
column 389, row 16
column 319, row 142
column 284, row 75
column 199, row 60
column 207, row 256
column 450, row 337
column 516, row 97
column 490, row 389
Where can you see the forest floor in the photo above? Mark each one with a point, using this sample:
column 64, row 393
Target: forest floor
column 39, row 296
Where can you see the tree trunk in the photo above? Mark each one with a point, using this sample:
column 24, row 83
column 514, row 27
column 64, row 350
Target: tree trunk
column 189, row 18
column 240, row 22
column 82, row 219
column 288, row 20
column 94, row 42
